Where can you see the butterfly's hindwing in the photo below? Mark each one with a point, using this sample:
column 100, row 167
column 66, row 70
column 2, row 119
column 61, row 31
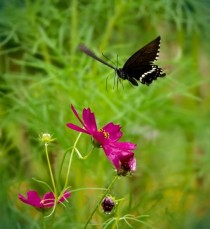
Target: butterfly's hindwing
column 151, row 75
column 144, row 73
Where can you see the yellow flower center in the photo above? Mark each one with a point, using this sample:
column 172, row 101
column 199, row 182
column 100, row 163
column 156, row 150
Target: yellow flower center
column 106, row 134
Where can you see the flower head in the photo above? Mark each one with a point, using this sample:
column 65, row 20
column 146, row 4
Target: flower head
column 47, row 201
column 46, row 138
column 109, row 132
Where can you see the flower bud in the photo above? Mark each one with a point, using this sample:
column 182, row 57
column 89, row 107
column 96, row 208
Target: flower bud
column 46, row 138
column 108, row 204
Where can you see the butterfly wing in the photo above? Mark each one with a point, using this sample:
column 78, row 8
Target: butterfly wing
column 144, row 73
column 140, row 65
column 147, row 54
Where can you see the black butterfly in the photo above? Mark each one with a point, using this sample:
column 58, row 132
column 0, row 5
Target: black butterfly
column 139, row 66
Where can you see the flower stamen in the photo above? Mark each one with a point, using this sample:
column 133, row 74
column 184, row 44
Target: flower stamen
column 106, row 134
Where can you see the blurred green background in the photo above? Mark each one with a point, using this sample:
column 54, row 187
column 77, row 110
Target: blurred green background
column 42, row 73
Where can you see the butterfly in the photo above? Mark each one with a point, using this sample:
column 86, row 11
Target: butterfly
column 139, row 67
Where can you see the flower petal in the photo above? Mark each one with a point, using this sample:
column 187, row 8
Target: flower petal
column 76, row 114
column 125, row 145
column 89, row 120
column 32, row 199
column 65, row 196
column 77, row 128
column 98, row 136
column 114, row 131
column 132, row 164
column 48, row 200
column 112, row 154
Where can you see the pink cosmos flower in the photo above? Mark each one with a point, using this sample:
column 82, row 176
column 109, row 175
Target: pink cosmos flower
column 109, row 132
column 119, row 153
column 47, row 201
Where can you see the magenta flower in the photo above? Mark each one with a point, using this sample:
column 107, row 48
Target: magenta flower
column 47, row 201
column 119, row 153
column 109, row 132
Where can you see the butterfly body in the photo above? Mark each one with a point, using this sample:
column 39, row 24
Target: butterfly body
column 122, row 74
column 139, row 67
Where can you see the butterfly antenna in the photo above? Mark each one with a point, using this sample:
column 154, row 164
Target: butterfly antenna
column 108, row 59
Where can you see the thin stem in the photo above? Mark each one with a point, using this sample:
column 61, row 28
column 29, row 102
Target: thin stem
column 43, row 221
column 52, row 220
column 50, row 170
column 61, row 166
column 99, row 203
column 86, row 156
column 70, row 161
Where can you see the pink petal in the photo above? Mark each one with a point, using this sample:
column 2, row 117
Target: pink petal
column 65, row 196
column 77, row 128
column 125, row 145
column 132, row 164
column 32, row 199
column 112, row 154
column 99, row 137
column 48, row 200
column 76, row 114
column 112, row 128
column 89, row 120
column 114, row 131
column 126, row 156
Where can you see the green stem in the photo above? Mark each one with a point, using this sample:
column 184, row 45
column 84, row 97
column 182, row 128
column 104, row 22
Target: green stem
column 61, row 167
column 50, row 170
column 52, row 220
column 70, row 161
column 99, row 203
column 43, row 221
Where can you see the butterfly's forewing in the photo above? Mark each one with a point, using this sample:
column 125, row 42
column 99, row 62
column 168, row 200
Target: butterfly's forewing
column 145, row 55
